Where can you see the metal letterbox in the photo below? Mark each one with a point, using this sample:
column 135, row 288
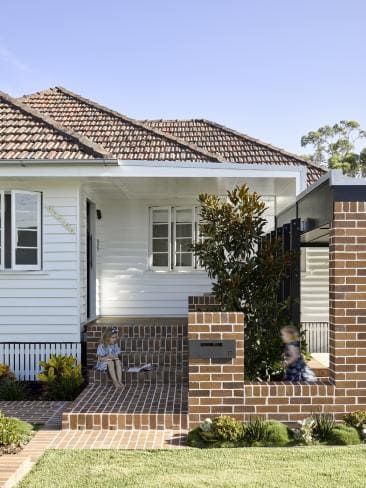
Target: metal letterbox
column 212, row 349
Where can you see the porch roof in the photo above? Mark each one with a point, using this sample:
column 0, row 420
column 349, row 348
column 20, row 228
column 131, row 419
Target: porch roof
column 314, row 206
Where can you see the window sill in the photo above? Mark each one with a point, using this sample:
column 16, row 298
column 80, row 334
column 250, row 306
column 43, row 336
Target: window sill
column 22, row 272
column 176, row 271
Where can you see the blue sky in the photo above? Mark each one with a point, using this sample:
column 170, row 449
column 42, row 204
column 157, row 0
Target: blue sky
column 274, row 69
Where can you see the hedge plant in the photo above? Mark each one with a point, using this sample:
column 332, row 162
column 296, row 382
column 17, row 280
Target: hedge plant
column 344, row 435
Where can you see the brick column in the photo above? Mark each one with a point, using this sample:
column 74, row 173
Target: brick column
column 216, row 385
column 347, row 320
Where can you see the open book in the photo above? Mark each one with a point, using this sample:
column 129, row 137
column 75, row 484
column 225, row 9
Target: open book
column 138, row 369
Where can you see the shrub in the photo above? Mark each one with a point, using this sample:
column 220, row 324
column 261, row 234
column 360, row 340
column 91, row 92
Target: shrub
column 6, row 373
column 323, row 426
column 344, row 435
column 227, row 429
column 276, row 434
column 61, row 377
column 255, row 431
column 14, row 432
column 194, row 438
column 236, row 258
column 223, row 429
column 355, row 419
column 12, row 390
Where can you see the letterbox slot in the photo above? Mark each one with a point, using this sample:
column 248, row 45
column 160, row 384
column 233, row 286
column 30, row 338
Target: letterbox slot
column 209, row 349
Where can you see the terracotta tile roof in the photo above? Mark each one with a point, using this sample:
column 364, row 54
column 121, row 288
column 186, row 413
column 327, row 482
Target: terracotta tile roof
column 231, row 145
column 124, row 137
column 26, row 134
column 160, row 140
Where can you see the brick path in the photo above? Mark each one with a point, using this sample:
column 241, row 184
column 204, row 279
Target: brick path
column 35, row 412
column 14, row 467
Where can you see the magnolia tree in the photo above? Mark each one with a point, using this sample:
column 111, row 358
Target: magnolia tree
column 246, row 273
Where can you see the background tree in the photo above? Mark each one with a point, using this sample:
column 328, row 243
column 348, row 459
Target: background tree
column 335, row 147
column 246, row 273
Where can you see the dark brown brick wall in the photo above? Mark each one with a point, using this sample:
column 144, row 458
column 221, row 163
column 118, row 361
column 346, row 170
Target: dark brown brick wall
column 161, row 342
column 204, row 303
column 345, row 390
column 347, row 274
column 216, row 386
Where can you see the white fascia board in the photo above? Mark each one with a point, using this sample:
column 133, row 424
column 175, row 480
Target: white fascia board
column 153, row 169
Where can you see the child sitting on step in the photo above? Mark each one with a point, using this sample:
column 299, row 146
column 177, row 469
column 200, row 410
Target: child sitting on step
column 108, row 356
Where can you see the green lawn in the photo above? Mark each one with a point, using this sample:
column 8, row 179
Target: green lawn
column 307, row 467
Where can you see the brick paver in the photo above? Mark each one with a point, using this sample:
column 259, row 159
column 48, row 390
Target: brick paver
column 35, row 412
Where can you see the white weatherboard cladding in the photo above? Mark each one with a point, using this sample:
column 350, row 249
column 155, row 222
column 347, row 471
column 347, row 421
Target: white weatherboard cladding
column 43, row 306
column 315, row 285
column 83, row 257
column 126, row 285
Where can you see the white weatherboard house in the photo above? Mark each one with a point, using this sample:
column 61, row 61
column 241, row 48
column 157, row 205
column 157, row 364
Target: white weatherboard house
column 98, row 210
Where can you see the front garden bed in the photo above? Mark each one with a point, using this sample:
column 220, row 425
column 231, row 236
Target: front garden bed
column 226, row 432
column 60, row 380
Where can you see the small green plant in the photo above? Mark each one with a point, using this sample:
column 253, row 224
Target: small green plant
column 355, row 419
column 12, row 390
column 194, row 438
column 14, row 432
column 344, row 435
column 6, row 373
column 223, row 429
column 255, row 431
column 276, row 434
column 323, row 426
column 304, row 434
column 61, row 377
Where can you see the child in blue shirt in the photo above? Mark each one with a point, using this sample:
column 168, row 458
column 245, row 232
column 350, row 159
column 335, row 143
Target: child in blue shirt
column 108, row 356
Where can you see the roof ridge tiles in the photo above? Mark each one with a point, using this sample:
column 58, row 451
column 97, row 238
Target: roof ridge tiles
column 142, row 125
column 86, row 144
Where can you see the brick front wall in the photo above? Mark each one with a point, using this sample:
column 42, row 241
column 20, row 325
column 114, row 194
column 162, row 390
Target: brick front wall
column 216, row 386
column 216, row 389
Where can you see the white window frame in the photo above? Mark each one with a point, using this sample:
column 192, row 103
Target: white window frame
column 26, row 267
column 172, row 238
column 2, row 229
column 160, row 268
